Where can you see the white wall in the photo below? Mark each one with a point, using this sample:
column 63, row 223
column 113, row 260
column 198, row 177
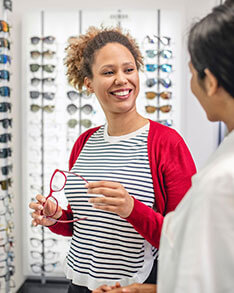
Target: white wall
column 197, row 131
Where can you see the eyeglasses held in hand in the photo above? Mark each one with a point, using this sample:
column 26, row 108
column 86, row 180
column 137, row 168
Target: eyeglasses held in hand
column 166, row 82
column 5, row 43
column 46, row 95
column 83, row 122
column 59, row 177
column 47, row 40
column 48, row 54
column 163, row 67
column 45, row 81
column 5, row 58
column 6, row 122
column 4, row 26
column 86, row 109
column 166, row 54
column 46, row 67
column 164, row 95
column 5, row 91
column 163, row 109
column 46, row 108
column 4, row 74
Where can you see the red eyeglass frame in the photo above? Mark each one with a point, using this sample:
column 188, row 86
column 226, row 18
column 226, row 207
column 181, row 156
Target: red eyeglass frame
column 51, row 192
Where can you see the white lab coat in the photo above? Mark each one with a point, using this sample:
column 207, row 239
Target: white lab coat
column 197, row 243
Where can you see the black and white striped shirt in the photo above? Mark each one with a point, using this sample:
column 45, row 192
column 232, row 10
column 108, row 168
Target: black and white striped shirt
column 106, row 248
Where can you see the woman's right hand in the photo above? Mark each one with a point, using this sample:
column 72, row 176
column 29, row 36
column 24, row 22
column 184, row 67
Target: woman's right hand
column 48, row 209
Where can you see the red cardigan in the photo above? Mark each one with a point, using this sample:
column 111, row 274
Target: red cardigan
column 171, row 167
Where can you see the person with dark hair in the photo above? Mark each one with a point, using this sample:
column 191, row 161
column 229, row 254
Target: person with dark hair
column 196, row 252
column 141, row 168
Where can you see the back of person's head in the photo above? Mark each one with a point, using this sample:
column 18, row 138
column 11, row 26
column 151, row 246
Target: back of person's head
column 211, row 45
column 81, row 52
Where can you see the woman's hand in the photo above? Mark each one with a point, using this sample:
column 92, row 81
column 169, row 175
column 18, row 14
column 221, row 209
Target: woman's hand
column 134, row 288
column 105, row 288
column 116, row 199
column 48, row 209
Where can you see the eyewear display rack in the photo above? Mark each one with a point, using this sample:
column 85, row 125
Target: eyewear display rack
column 55, row 114
column 7, row 241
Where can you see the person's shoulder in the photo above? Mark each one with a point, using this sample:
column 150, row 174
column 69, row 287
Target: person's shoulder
column 165, row 133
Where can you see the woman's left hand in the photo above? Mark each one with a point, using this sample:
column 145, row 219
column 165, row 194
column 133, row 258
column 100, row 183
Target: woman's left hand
column 116, row 199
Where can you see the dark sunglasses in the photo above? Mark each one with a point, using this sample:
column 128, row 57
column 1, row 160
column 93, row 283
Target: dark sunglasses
column 46, row 81
column 5, row 91
column 164, row 95
column 4, row 43
column 7, row 4
column 4, row 74
column 48, row 40
column 6, row 169
column 166, row 82
column 5, row 58
column 47, row 108
column 46, row 95
column 4, row 153
column 46, row 54
column 4, row 107
column 46, row 67
column 162, row 67
column 166, row 54
column 5, row 137
column 163, row 109
column 4, row 26
column 6, row 122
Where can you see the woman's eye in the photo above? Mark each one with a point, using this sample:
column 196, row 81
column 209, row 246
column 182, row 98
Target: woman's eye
column 130, row 69
column 108, row 72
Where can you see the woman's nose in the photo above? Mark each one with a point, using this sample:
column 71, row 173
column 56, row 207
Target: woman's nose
column 120, row 79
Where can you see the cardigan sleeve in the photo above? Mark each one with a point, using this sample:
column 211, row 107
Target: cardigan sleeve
column 172, row 167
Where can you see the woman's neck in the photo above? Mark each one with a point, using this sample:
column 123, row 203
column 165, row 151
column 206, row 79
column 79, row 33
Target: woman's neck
column 124, row 124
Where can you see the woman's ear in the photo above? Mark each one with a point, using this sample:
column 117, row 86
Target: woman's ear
column 211, row 83
column 88, row 84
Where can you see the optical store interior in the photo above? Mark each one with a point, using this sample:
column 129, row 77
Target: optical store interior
column 42, row 115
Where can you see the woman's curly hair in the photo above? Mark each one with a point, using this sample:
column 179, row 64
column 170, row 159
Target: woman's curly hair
column 81, row 52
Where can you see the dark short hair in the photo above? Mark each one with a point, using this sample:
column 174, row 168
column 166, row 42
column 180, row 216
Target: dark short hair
column 211, row 45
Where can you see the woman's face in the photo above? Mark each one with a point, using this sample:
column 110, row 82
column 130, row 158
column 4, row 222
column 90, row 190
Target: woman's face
column 115, row 79
column 208, row 103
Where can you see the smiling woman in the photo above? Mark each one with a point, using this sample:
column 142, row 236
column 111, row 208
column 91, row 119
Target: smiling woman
column 141, row 168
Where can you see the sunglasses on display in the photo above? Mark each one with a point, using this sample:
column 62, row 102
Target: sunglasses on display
column 4, row 26
column 57, row 183
column 166, row 54
column 4, row 59
column 4, row 43
column 47, row 40
column 47, row 67
column 47, row 108
column 73, row 95
column 46, row 95
column 45, row 81
column 5, row 137
column 4, row 153
column 166, row 82
column 46, row 54
column 165, row 41
column 5, row 91
column 86, row 109
column 4, row 74
column 4, row 107
column 7, row 4
column 5, row 183
column 83, row 122
column 6, row 122
column 49, row 254
column 37, row 268
column 6, row 169
column 163, row 109
column 48, row 242
column 164, row 95
column 163, row 67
